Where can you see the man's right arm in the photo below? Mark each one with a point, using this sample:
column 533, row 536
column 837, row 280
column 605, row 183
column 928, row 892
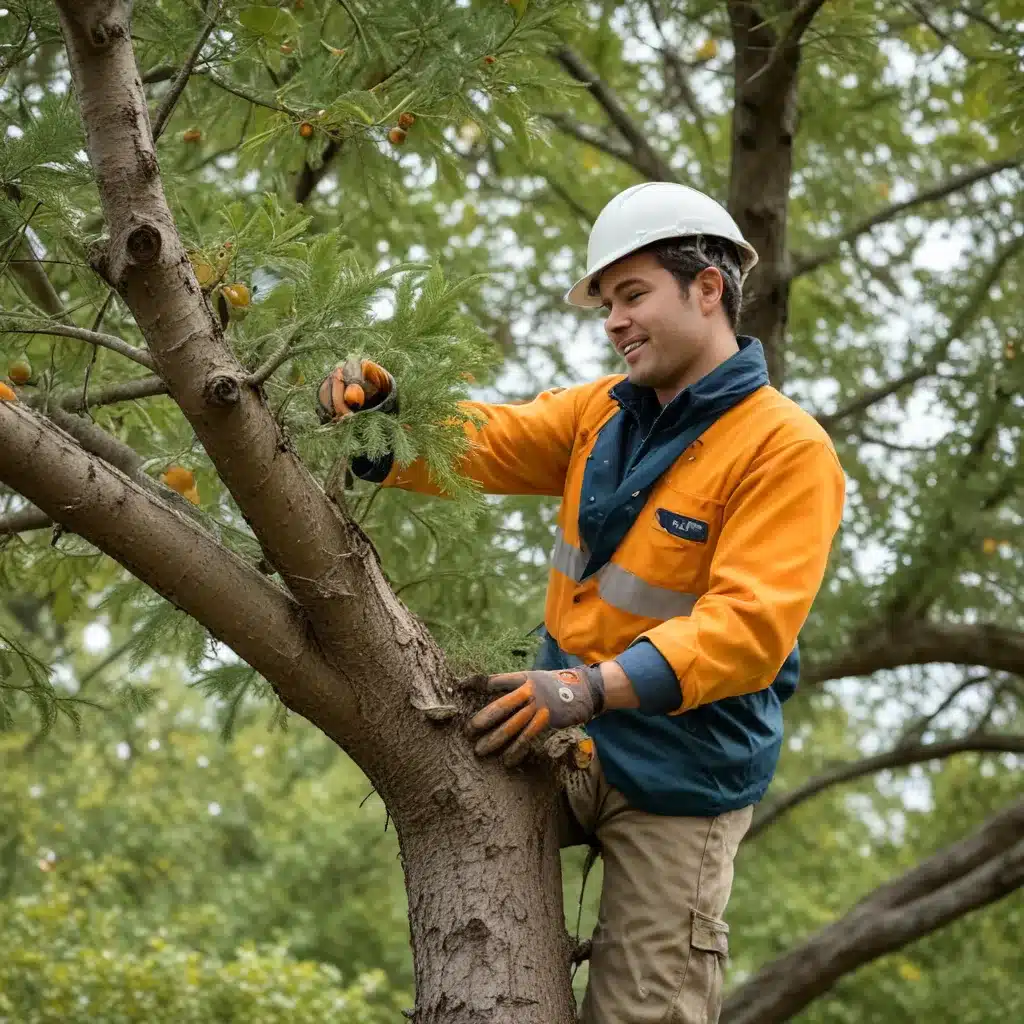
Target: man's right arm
column 519, row 449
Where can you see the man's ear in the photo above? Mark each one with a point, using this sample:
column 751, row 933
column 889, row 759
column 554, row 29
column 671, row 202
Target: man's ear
column 709, row 288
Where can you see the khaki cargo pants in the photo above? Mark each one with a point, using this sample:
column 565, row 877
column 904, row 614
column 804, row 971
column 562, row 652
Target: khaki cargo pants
column 660, row 941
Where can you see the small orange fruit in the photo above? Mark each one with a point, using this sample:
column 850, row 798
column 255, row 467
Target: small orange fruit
column 178, row 478
column 396, row 136
column 406, row 120
column 192, row 135
column 489, row 59
column 354, row 396
column 20, row 371
column 306, row 130
column 7, row 393
column 237, row 294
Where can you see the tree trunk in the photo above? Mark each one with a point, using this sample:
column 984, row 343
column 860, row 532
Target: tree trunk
column 485, row 902
column 763, row 127
column 478, row 842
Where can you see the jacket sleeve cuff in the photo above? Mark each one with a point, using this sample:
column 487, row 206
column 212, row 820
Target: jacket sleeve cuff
column 373, row 470
column 653, row 678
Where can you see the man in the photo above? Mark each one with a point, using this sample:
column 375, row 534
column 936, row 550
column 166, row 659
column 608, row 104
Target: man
column 698, row 510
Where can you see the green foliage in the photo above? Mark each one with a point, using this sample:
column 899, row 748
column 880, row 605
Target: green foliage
column 76, row 982
column 256, row 865
column 445, row 257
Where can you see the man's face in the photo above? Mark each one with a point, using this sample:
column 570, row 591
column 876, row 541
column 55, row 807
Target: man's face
column 645, row 304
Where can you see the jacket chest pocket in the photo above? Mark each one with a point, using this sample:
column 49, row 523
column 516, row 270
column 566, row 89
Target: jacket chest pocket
column 682, row 532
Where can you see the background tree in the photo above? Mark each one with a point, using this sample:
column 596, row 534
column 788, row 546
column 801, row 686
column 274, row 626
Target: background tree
column 869, row 150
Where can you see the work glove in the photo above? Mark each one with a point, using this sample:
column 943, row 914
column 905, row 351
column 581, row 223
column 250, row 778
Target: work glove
column 356, row 386
column 535, row 703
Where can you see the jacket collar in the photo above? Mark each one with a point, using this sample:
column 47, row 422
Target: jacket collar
column 723, row 387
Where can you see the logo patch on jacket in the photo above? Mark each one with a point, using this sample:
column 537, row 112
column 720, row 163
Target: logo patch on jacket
column 683, row 526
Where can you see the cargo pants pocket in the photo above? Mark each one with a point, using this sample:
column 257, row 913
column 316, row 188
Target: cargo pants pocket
column 699, row 999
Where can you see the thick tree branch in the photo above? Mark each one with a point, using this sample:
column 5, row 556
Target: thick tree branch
column 801, row 265
column 24, row 521
column 97, row 441
column 325, row 560
column 645, row 156
column 170, row 101
column 138, row 355
column 163, row 548
column 996, row 835
column 925, row 643
column 900, row 757
column 970, row 874
column 967, row 313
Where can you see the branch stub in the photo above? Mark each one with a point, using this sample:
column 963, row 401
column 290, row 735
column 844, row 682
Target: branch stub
column 143, row 245
column 222, row 390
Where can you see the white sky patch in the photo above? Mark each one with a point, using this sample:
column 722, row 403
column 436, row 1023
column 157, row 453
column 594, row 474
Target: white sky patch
column 95, row 637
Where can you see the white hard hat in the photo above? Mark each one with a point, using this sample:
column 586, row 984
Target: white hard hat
column 649, row 213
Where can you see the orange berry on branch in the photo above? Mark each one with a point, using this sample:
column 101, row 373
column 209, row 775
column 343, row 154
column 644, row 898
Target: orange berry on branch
column 306, row 130
column 178, row 478
column 192, row 135
column 406, row 120
column 7, row 393
column 489, row 59
column 20, row 371
column 237, row 294
column 396, row 136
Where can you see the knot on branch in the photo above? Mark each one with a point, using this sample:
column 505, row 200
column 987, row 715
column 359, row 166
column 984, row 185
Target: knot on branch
column 222, row 390
column 144, row 245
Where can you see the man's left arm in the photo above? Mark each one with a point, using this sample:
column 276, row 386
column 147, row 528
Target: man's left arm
column 770, row 560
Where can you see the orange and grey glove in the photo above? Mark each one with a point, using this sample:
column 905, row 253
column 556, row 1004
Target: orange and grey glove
column 535, row 702
column 356, row 386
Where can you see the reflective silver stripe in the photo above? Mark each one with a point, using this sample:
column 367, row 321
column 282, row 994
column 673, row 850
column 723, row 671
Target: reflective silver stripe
column 627, row 592
column 568, row 559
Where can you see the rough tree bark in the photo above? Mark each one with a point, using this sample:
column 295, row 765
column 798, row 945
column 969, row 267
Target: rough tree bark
column 763, row 128
column 478, row 843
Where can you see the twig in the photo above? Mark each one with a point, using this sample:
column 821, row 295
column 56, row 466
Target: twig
column 798, row 25
column 593, row 136
column 900, row 757
column 969, row 310
column 138, row 355
column 122, row 391
column 917, row 729
column 358, row 27
column 646, row 156
column 807, row 264
column 181, row 80
column 246, row 96
column 263, row 373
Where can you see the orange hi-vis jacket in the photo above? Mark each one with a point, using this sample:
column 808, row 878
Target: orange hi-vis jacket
column 711, row 522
